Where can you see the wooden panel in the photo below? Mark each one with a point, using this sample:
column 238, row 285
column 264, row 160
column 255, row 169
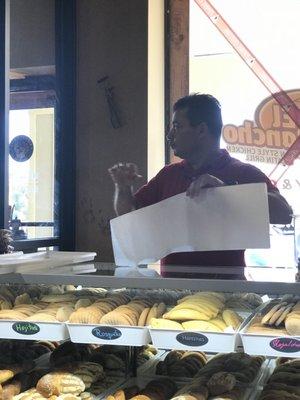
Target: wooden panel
column 178, row 53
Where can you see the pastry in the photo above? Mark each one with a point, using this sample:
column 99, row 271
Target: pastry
column 283, row 315
column 6, row 293
column 152, row 314
column 219, row 322
column 131, row 391
column 221, row 382
column 270, row 313
column 57, row 383
column 160, row 323
column 215, row 295
column 63, row 313
column 113, row 318
column 282, row 386
column 143, row 317
column 231, row 318
column 10, row 389
column 41, row 317
column 120, row 395
column 52, row 298
column 87, row 315
column 292, row 324
column 89, row 372
column 259, row 329
column 278, row 395
column 292, row 379
column 86, row 396
column 161, row 309
column 23, row 299
column 65, row 397
column 51, row 345
column 6, row 374
column 198, row 305
column 186, row 314
column 30, row 394
column 204, row 326
column 195, row 354
column 82, row 303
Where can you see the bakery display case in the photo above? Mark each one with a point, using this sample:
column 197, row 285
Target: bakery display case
column 102, row 335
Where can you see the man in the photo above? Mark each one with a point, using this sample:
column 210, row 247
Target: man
column 195, row 137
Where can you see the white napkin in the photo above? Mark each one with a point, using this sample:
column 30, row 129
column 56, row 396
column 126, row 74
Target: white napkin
column 224, row 218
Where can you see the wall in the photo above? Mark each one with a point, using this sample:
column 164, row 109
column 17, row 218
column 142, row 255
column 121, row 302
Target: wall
column 112, row 40
column 32, row 33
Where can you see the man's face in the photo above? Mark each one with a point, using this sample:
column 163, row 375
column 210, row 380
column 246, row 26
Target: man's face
column 184, row 138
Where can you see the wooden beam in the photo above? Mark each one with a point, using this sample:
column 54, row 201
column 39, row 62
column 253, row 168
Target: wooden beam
column 177, row 54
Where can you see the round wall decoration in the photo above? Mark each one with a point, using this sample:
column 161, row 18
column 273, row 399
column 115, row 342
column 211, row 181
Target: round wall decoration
column 21, row 148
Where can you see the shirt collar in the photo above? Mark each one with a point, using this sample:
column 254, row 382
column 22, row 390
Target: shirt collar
column 218, row 161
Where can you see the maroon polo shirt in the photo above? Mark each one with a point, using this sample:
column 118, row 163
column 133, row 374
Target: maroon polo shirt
column 176, row 178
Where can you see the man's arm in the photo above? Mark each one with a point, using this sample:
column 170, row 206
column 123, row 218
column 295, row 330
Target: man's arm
column 123, row 199
column 280, row 211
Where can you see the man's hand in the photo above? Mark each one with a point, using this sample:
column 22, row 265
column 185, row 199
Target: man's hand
column 124, row 174
column 204, row 181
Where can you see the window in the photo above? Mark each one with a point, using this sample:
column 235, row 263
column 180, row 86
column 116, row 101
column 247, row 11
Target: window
column 256, row 129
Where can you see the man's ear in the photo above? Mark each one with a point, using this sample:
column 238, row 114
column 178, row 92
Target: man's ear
column 202, row 128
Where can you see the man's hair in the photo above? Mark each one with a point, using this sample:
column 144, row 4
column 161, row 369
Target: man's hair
column 202, row 108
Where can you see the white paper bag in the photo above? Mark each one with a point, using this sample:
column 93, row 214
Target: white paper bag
column 224, row 218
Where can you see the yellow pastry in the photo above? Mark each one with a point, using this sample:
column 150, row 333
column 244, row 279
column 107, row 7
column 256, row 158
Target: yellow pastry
column 185, row 315
column 160, row 323
column 204, row 326
column 231, row 318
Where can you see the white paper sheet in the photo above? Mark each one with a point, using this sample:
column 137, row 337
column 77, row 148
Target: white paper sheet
column 224, row 218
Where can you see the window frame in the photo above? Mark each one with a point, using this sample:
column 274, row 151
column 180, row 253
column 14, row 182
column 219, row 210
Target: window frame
column 65, row 87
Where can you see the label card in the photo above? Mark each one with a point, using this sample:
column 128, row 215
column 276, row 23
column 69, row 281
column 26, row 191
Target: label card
column 285, row 345
column 26, row 328
column 106, row 333
column 192, row 339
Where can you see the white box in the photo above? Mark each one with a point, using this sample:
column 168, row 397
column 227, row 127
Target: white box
column 33, row 330
column 106, row 334
column 270, row 345
column 189, row 340
column 42, row 260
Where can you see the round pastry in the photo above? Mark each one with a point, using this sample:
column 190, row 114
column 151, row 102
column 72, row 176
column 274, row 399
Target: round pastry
column 221, row 382
column 292, row 324
column 173, row 356
column 57, row 383
column 131, row 391
column 237, row 361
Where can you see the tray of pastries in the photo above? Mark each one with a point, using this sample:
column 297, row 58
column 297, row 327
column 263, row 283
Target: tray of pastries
column 204, row 320
column 73, row 372
column 177, row 363
column 117, row 319
column 275, row 331
column 283, row 382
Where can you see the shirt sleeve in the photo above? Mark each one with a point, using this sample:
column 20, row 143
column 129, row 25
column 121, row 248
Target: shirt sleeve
column 148, row 194
column 251, row 174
